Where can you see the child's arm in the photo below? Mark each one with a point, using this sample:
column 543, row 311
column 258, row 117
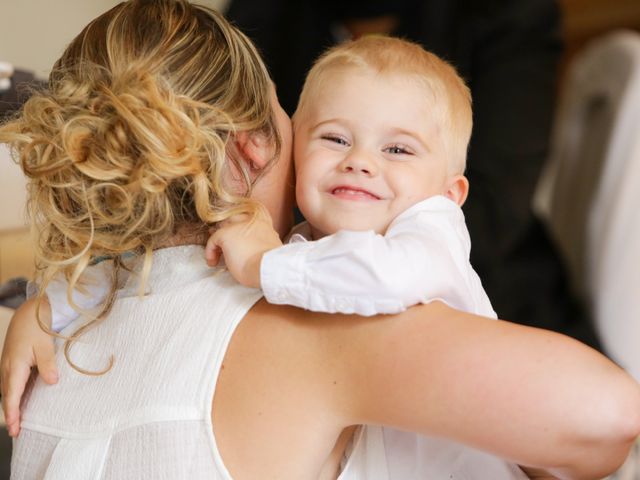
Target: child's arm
column 423, row 257
column 26, row 345
column 363, row 273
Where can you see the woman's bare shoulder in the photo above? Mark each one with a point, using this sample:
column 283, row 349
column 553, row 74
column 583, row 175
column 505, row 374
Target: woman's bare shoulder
column 276, row 383
column 294, row 374
column 418, row 371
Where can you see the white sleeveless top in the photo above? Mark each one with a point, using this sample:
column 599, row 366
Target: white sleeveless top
column 149, row 417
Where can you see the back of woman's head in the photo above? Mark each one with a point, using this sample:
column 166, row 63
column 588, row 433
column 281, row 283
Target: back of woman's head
column 130, row 141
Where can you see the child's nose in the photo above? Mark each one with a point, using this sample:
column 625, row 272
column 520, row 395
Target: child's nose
column 358, row 161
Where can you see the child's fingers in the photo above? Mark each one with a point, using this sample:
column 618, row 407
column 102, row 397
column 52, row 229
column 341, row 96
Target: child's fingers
column 213, row 255
column 13, row 383
column 212, row 251
column 13, row 425
column 46, row 361
column 224, row 231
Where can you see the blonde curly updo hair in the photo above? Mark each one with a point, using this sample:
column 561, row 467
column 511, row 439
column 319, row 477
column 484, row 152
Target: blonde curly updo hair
column 131, row 141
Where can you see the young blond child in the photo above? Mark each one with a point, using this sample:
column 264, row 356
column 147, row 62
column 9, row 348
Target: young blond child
column 381, row 134
column 380, row 143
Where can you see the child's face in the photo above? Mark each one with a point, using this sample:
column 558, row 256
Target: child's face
column 366, row 149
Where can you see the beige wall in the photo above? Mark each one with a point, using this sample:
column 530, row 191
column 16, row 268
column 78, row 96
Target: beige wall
column 12, row 193
column 16, row 256
column 33, row 33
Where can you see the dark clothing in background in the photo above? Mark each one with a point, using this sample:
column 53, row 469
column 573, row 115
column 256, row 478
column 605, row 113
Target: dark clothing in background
column 13, row 293
column 507, row 51
column 22, row 85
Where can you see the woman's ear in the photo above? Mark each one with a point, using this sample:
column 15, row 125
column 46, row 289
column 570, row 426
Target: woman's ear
column 458, row 189
column 255, row 148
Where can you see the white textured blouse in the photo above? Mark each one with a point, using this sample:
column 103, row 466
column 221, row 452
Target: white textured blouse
column 149, row 417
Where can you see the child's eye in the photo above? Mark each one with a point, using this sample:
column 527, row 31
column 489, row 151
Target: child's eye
column 336, row 139
column 397, row 150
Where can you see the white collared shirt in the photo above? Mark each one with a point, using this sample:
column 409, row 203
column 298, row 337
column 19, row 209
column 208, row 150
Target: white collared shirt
column 423, row 256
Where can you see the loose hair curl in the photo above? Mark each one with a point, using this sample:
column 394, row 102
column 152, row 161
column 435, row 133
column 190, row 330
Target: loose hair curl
column 131, row 141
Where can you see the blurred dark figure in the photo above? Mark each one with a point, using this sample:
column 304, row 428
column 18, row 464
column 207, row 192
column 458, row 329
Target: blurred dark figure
column 508, row 51
column 18, row 92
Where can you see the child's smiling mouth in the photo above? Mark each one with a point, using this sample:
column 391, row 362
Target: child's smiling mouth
column 347, row 192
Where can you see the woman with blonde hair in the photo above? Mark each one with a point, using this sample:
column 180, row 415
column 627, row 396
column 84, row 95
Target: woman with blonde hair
column 160, row 122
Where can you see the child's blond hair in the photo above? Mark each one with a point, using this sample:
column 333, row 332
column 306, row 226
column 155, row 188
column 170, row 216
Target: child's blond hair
column 450, row 97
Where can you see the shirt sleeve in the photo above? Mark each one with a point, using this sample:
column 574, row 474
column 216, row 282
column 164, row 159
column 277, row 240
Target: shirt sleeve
column 87, row 296
column 422, row 257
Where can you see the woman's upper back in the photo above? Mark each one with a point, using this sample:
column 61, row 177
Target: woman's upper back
column 150, row 415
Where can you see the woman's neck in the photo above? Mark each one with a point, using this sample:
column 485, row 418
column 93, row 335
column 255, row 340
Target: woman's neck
column 188, row 234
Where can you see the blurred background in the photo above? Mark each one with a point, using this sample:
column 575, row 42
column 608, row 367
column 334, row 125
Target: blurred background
column 34, row 32
column 570, row 244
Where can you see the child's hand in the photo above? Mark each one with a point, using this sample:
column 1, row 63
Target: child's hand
column 26, row 345
column 243, row 243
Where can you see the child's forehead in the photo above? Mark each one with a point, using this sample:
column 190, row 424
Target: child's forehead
column 351, row 73
column 343, row 88
column 382, row 100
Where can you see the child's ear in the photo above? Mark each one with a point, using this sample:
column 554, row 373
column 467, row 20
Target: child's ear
column 255, row 149
column 458, row 189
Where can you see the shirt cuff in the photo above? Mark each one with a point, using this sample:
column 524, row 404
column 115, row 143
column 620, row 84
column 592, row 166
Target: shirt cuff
column 282, row 276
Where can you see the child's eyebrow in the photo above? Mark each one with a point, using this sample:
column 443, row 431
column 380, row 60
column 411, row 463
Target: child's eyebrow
column 330, row 120
column 314, row 127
